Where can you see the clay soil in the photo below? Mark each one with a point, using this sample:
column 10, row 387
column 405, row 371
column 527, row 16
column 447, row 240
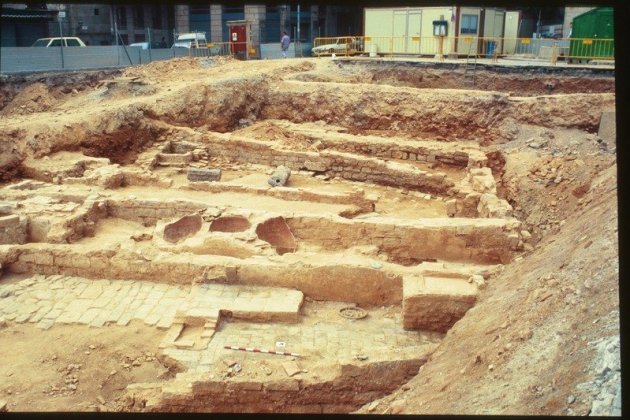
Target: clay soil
column 522, row 349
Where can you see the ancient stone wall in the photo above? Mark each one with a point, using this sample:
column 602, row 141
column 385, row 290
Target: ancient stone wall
column 149, row 212
column 337, row 282
column 344, row 165
column 353, row 387
column 405, row 152
column 356, row 198
column 465, row 240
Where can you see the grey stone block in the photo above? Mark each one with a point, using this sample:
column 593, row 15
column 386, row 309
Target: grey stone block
column 200, row 174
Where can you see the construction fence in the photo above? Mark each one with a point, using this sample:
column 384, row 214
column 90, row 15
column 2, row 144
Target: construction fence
column 553, row 50
column 15, row 60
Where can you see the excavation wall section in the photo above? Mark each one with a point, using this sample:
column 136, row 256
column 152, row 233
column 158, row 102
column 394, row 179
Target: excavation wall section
column 355, row 386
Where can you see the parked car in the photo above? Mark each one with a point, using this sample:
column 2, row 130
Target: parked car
column 145, row 45
column 56, row 42
column 191, row 40
column 551, row 35
column 343, row 45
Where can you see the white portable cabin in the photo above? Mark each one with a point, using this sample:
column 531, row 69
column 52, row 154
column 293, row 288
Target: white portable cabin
column 410, row 30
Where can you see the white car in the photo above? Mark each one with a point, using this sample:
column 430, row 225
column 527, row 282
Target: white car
column 145, row 45
column 191, row 40
column 56, row 42
column 342, row 46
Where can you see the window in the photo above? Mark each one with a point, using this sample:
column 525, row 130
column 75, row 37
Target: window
column 469, row 24
column 72, row 43
column 205, row 10
column 234, row 9
column 157, row 17
column 121, row 17
column 138, row 17
column 199, row 18
column 96, row 12
column 55, row 43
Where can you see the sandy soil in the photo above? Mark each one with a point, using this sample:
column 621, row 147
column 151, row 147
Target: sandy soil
column 74, row 368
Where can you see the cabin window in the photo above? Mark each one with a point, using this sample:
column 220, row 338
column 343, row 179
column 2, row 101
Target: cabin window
column 469, row 24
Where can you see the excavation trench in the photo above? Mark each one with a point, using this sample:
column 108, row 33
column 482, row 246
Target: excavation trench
column 158, row 210
column 523, row 80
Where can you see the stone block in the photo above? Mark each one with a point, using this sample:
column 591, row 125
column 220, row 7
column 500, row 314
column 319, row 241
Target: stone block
column 6, row 208
column 174, row 159
column 208, row 388
column 11, row 220
column 608, row 129
column 316, row 166
column 290, row 385
column 490, row 206
column 202, row 174
column 39, row 258
column 435, row 305
column 451, row 207
column 247, row 386
column 171, row 335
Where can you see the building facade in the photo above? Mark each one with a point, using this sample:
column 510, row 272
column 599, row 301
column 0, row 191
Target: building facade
column 21, row 26
column 268, row 21
column 97, row 24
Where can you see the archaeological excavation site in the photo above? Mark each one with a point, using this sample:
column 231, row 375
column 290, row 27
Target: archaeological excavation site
column 332, row 235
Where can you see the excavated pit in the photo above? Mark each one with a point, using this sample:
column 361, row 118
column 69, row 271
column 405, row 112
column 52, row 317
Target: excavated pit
column 399, row 203
column 230, row 224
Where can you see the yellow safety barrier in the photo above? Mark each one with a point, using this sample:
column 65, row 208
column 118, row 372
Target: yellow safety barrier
column 211, row 49
column 238, row 49
column 547, row 49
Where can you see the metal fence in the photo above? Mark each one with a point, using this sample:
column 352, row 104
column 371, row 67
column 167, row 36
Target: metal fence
column 30, row 59
column 490, row 47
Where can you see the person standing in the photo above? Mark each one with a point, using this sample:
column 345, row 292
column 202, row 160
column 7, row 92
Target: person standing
column 284, row 44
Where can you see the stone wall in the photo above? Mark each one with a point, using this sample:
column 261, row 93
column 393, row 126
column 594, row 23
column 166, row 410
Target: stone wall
column 352, row 387
column 341, row 282
column 406, row 151
column 413, row 241
column 344, row 165
column 322, row 281
column 149, row 212
column 356, row 198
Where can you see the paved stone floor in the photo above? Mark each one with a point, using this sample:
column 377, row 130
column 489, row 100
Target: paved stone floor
column 320, row 335
column 46, row 300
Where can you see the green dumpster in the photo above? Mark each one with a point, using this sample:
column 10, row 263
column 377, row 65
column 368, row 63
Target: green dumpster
column 592, row 35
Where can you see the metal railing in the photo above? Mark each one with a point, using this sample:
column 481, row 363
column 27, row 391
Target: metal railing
column 569, row 49
column 243, row 50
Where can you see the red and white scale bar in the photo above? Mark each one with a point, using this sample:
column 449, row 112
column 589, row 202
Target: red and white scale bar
column 254, row 350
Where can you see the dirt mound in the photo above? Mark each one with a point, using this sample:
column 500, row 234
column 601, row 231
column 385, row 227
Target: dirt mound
column 59, row 86
column 170, row 69
column 33, row 98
